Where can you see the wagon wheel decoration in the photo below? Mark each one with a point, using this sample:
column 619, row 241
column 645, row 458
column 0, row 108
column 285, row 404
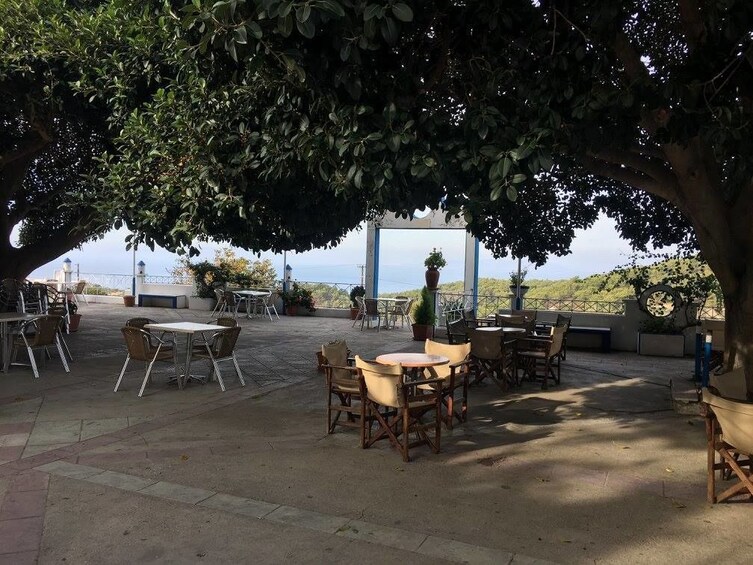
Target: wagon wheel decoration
column 660, row 301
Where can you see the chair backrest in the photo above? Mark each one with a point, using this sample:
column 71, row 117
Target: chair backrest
column 137, row 343
column 383, row 382
column 223, row 343
column 527, row 314
column 220, row 294
column 557, row 337
column 372, row 306
column 139, row 322
column 731, row 385
column 9, row 295
column 563, row 321
column 226, row 322
column 455, row 353
column 485, row 345
column 46, row 330
column 80, row 286
column 469, row 315
column 457, row 331
column 735, row 419
column 336, row 353
column 359, row 301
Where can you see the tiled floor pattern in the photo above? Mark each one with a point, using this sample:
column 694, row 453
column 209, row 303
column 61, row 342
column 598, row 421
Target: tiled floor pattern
column 415, row 542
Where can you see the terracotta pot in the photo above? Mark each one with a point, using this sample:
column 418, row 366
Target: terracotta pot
column 422, row 333
column 75, row 321
column 354, row 313
column 291, row 310
column 432, row 279
column 129, row 301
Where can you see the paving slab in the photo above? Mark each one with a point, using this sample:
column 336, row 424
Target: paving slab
column 239, row 505
column 121, row 481
column 382, row 535
column 179, row 493
column 70, row 470
column 307, row 519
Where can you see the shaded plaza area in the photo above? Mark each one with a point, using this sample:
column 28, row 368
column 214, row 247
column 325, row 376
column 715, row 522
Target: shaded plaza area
column 598, row 469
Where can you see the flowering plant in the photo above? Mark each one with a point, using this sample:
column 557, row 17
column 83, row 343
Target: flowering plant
column 296, row 295
column 435, row 260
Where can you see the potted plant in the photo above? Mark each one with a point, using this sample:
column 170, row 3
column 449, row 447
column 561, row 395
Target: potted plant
column 129, row 300
column 424, row 317
column 73, row 316
column 661, row 337
column 356, row 291
column 515, row 280
column 297, row 297
column 434, row 262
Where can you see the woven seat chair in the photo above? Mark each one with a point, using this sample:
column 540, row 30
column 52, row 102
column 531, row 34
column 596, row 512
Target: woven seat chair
column 361, row 310
column 221, row 348
column 457, row 332
column 400, row 310
column 371, row 310
column 78, row 290
column 398, row 408
column 139, row 344
column 39, row 333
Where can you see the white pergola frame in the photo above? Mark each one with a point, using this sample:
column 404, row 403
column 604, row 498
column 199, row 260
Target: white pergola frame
column 434, row 220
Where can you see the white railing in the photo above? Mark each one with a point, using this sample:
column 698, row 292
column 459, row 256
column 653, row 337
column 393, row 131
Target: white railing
column 103, row 284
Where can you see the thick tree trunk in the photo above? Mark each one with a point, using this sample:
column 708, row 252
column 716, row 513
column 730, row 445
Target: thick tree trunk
column 738, row 330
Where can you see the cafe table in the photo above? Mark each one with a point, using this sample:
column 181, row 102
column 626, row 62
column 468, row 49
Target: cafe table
column 387, row 302
column 189, row 329
column 5, row 319
column 507, row 331
column 413, row 361
column 247, row 295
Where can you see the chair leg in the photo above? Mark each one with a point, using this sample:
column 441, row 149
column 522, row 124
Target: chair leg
column 62, row 354
column 65, row 345
column 33, row 362
column 122, row 372
column 149, row 371
column 219, row 375
column 238, row 370
column 404, row 444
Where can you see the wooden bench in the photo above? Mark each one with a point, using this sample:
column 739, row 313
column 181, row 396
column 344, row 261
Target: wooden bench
column 605, row 333
column 178, row 301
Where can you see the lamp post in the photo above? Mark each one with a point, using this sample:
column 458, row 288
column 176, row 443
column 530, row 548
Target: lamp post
column 286, row 282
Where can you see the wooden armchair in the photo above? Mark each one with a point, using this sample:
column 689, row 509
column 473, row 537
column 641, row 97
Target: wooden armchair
column 493, row 357
column 344, row 391
column 729, row 434
column 398, row 407
column 454, row 376
column 539, row 356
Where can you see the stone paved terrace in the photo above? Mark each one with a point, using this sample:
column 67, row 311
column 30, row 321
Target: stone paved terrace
column 599, row 469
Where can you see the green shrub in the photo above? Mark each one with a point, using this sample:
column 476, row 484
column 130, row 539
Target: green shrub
column 424, row 315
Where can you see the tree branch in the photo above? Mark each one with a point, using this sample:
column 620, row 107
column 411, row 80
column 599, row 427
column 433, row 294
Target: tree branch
column 650, row 167
column 31, row 144
column 629, row 176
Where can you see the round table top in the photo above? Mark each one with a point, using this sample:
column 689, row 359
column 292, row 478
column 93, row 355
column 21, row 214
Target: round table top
column 502, row 329
column 412, row 360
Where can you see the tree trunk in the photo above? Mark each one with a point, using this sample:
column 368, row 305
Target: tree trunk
column 738, row 331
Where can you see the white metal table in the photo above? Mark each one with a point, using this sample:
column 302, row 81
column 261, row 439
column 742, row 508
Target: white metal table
column 387, row 303
column 247, row 294
column 189, row 329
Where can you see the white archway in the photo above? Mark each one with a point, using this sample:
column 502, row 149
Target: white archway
column 433, row 220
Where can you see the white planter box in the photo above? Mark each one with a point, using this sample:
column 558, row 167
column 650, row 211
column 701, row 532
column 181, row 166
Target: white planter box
column 661, row 345
column 196, row 303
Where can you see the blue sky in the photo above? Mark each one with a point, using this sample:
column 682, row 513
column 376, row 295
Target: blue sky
column 596, row 250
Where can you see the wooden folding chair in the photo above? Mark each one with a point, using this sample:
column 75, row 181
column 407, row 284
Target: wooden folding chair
column 539, row 356
column 492, row 357
column 455, row 375
column 398, row 407
column 344, row 391
column 729, row 434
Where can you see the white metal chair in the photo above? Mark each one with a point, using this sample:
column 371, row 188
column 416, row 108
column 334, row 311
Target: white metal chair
column 77, row 291
column 361, row 310
column 268, row 304
column 221, row 348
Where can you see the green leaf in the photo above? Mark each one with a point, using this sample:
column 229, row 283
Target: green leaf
column 506, row 164
column 302, row 13
column 254, row 29
column 518, row 178
column 389, row 31
column 393, row 142
column 240, row 35
column 512, row 194
column 496, row 193
column 332, row 7
column 402, row 12
column 371, row 11
column 307, row 28
column 285, row 25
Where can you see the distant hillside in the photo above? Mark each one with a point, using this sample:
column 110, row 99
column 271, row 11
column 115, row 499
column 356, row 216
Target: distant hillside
column 575, row 288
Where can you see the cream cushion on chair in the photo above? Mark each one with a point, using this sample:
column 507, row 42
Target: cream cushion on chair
column 735, row 419
column 731, row 385
column 455, row 353
column 336, row 354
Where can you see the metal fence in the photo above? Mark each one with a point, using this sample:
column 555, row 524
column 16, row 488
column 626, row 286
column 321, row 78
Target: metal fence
column 329, row 294
column 450, row 303
column 168, row 279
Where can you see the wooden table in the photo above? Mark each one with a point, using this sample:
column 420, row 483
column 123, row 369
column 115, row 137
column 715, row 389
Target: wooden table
column 413, row 361
column 188, row 328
